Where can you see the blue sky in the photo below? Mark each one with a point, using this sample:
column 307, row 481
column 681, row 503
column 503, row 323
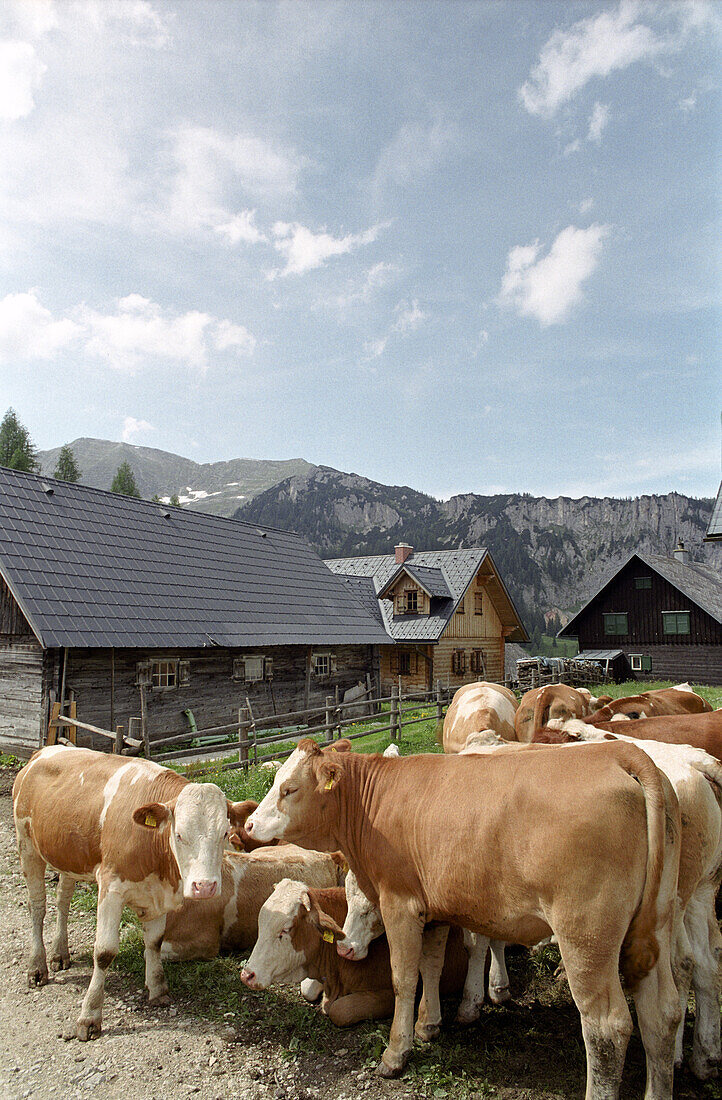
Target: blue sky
column 468, row 247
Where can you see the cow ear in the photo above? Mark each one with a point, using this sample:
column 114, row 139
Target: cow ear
column 344, row 745
column 154, row 815
column 239, row 812
column 328, row 774
column 324, row 924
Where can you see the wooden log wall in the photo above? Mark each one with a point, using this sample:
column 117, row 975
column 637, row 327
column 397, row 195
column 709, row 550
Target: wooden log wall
column 22, row 680
column 211, row 693
column 700, row 664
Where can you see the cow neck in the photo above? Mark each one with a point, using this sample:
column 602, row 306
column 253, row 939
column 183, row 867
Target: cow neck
column 356, row 797
column 158, row 856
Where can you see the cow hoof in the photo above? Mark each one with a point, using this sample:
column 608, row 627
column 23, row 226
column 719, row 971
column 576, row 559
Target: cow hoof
column 468, row 1014
column 88, row 1029
column 391, row 1065
column 60, row 962
column 427, row 1032
column 500, row 995
column 159, row 1000
column 37, row 978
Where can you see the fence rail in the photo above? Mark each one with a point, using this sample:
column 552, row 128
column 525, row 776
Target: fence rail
column 386, row 714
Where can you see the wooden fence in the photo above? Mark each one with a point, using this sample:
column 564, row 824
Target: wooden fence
column 253, row 739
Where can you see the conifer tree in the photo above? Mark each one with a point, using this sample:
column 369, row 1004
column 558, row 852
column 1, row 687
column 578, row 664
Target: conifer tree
column 66, row 468
column 17, row 449
column 124, row 481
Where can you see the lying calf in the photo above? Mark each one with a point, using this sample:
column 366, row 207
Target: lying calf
column 297, row 929
column 199, row 930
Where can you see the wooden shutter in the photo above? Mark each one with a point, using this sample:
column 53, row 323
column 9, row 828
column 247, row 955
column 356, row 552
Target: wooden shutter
column 184, row 672
column 268, row 668
column 142, row 674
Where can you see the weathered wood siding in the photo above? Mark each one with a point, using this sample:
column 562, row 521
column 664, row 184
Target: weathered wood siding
column 697, row 655
column 420, row 663
column 212, row 694
column 13, row 623
column 22, row 700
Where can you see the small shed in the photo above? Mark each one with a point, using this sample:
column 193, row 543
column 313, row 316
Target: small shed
column 125, row 603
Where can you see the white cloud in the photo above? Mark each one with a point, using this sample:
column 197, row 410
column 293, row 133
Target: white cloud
column 29, row 18
column 136, row 22
column 688, row 104
column 586, row 205
column 211, row 167
column 409, row 317
column 138, row 330
column 29, row 331
column 548, row 287
column 376, row 277
column 132, row 428
column 594, row 47
column 598, row 122
column 241, row 228
column 21, row 71
column 415, row 150
column 375, row 348
column 572, row 147
column 305, row 250
column 227, row 335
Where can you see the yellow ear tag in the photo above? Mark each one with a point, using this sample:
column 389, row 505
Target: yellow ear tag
column 328, row 936
column 151, row 821
column 329, row 785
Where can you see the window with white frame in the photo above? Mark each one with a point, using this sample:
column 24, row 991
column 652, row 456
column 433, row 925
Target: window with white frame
column 411, row 601
column 640, row 662
column 323, row 665
column 163, row 675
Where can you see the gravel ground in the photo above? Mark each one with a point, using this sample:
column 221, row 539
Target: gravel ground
column 143, row 1053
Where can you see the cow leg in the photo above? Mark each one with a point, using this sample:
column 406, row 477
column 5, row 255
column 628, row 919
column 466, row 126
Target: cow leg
column 682, row 967
column 404, row 930
column 606, row 1023
column 110, row 907
column 658, row 1012
column 433, row 950
column 60, row 953
column 477, row 947
column 498, row 977
column 355, row 1007
column 706, row 1047
column 33, row 867
column 155, row 981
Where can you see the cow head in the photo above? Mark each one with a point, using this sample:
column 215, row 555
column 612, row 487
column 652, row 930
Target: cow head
column 197, row 826
column 362, row 925
column 290, row 929
column 295, row 808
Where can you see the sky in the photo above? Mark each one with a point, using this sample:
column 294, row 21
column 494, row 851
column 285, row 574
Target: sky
column 466, row 247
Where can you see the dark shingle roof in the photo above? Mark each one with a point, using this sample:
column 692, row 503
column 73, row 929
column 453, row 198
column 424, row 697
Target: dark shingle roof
column 456, row 568
column 95, row 569
column 699, row 583
column 714, row 531
column 431, row 580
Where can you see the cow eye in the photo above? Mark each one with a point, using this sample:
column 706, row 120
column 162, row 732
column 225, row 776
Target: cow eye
column 287, row 791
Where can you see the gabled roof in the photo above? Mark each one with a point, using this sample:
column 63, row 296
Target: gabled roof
column 699, row 583
column 92, row 569
column 714, row 531
column 456, row 568
column 431, row 580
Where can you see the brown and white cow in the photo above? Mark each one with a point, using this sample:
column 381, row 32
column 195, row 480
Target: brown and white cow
column 229, row 921
column 297, row 930
column 541, row 704
column 147, row 836
column 702, row 731
column 475, row 707
column 647, row 704
column 437, row 838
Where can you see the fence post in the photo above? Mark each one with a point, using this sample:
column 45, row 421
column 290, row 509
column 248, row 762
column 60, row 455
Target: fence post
column 329, row 720
column 118, row 746
column 243, row 739
column 339, row 715
column 439, row 714
column 394, row 713
column 144, row 722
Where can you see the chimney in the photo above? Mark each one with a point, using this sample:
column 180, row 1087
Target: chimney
column 403, row 551
column 681, row 555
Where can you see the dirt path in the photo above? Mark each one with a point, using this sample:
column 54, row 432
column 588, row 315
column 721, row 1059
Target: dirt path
column 143, row 1054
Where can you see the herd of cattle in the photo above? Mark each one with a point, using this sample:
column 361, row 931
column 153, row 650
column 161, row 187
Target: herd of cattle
column 592, row 821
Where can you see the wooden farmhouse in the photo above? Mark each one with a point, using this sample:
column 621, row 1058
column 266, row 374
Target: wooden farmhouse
column 656, row 618
column 448, row 611
column 123, row 604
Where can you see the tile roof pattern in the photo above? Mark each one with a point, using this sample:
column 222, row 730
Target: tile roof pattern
column 699, row 583
column 714, row 531
column 431, row 580
column 598, row 655
column 94, row 569
column 457, row 569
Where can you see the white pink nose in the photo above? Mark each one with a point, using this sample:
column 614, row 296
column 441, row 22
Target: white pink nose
column 344, row 951
column 249, row 978
column 203, row 889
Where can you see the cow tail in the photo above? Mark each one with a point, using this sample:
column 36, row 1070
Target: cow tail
column 541, row 710
column 711, row 769
column 640, row 949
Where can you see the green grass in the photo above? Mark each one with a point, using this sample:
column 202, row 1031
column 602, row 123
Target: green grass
column 549, row 646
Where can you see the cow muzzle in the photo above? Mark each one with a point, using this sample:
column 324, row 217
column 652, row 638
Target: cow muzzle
column 205, row 888
column 249, row 978
column 345, row 951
